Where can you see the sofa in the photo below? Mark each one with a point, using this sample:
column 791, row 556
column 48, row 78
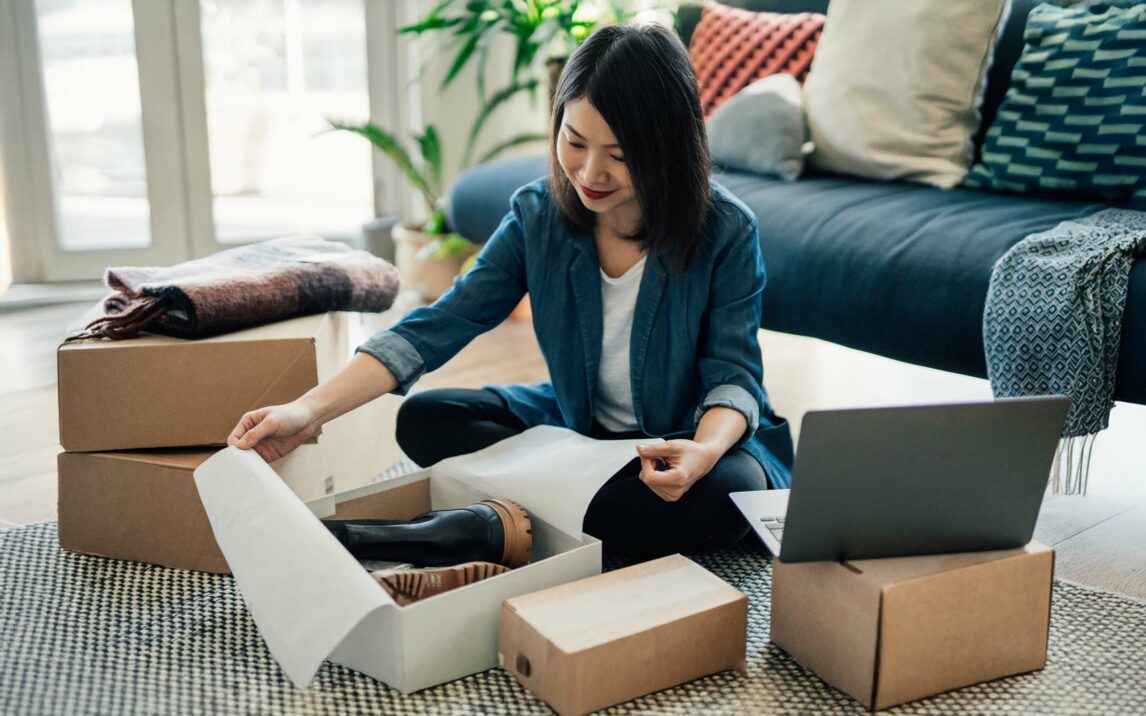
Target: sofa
column 896, row 269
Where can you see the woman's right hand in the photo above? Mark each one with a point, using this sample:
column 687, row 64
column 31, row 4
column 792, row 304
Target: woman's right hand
column 274, row 431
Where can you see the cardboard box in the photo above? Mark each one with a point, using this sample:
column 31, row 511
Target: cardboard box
column 161, row 392
column 887, row 631
column 156, row 391
column 143, row 506
column 312, row 600
column 607, row 639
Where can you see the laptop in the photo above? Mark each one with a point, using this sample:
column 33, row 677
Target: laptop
column 888, row 482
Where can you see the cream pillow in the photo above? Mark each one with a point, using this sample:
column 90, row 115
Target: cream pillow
column 895, row 87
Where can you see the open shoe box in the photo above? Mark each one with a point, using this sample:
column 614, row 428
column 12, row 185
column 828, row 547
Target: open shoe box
column 312, row 600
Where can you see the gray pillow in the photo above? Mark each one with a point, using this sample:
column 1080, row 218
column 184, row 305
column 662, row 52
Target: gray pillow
column 761, row 129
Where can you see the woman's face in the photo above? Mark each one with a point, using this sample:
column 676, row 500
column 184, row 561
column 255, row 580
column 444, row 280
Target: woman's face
column 591, row 159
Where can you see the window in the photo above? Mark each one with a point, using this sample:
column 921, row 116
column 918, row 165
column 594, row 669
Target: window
column 274, row 70
column 95, row 123
column 152, row 132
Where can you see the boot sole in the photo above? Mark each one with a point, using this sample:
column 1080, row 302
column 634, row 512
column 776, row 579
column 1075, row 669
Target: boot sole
column 407, row 586
column 518, row 532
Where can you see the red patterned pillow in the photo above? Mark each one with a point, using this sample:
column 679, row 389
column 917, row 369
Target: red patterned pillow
column 731, row 48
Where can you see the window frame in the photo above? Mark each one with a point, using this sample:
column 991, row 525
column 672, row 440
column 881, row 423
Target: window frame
column 169, row 57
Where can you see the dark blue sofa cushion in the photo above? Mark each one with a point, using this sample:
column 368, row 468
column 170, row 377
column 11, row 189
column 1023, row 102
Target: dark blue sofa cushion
column 900, row 270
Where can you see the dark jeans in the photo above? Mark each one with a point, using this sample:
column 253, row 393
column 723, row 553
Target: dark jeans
column 631, row 521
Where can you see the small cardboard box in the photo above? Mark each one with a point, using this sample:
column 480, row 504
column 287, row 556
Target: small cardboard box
column 607, row 639
column 312, row 600
column 143, row 506
column 161, row 392
column 887, row 631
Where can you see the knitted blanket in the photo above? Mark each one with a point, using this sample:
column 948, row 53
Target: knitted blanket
column 243, row 287
column 1053, row 322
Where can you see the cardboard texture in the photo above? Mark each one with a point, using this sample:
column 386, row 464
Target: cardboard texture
column 311, row 600
column 156, row 391
column 613, row 637
column 143, row 506
column 888, row 631
column 160, row 392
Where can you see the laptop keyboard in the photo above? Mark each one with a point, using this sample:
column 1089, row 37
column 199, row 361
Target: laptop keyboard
column 775, row 525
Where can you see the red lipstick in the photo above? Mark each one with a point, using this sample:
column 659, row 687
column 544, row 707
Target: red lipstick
column 595, row 194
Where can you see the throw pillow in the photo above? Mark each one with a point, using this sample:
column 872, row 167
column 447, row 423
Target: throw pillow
column 895, row 87
column 1072, row 119
column 761, row 129
column 731, row 48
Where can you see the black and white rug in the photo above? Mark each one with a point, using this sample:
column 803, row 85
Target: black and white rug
column 85, row 635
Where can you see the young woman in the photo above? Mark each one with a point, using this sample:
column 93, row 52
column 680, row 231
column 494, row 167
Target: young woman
column 645, row 279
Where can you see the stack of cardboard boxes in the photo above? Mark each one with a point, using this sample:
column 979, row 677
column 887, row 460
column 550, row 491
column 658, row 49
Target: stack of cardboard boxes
column 138, row 416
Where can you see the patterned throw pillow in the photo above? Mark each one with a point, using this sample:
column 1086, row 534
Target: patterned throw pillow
column 731, row 48
column 1073, row 117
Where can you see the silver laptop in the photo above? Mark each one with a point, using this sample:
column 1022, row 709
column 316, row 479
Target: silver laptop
column 887, row 482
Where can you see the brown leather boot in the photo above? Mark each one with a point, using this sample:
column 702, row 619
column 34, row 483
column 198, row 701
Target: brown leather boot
column 410, row 585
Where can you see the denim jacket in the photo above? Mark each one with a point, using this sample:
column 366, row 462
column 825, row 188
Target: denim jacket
column 694, row 332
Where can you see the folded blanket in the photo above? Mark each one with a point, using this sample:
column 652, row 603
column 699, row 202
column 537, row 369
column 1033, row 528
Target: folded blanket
column 1053, row 323
column 243, row 287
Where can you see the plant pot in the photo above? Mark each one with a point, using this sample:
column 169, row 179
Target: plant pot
column 432, row 276
column 379, row 237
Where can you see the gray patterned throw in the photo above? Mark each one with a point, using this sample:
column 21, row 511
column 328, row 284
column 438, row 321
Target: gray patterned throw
column 1053, row 322
column 243, row 287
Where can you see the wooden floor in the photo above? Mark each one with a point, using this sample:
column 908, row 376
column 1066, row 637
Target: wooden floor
column 1099, row 538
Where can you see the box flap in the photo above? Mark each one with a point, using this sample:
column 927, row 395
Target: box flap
column 304, row 590
column 552, row 472
column 893, row 570
column 180, row 459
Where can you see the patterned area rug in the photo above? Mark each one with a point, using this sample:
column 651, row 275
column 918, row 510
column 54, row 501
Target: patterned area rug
column 82, row 634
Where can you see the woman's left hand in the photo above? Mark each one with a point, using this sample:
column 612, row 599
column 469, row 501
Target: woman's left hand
column 671, row 467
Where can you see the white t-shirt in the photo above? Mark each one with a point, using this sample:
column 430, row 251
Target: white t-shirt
column 613, row 402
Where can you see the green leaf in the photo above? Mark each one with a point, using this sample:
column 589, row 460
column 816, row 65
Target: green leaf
column 436, row 223
column 389, row 146
column 453, row 245
column 432, row 21
column 511, row 143
column 460, row 60
column 446, row 246
column 429, row 24
column 431, row 147
column 498, row 99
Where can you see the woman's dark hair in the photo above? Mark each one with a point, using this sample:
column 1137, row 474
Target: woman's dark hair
column 641, row 81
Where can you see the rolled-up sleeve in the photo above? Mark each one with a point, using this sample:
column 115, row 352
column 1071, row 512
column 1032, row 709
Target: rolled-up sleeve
column 397, row 354
column 731, row 373
column 429, row 336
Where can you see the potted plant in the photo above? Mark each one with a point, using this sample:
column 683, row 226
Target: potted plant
column 427, row 254
column 544, row 33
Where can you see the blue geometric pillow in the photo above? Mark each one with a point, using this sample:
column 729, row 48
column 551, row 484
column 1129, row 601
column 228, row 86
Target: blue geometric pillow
column 1072, row 119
